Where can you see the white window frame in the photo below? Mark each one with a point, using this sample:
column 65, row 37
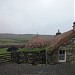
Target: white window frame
column 64, row 57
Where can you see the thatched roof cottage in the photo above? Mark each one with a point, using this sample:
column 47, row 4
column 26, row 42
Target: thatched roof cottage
column 62, row 47
column 35, row 42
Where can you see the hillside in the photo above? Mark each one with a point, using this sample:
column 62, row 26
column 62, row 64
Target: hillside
column 18, row 38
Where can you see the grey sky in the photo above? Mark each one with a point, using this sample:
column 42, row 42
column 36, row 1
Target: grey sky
column 32, row 16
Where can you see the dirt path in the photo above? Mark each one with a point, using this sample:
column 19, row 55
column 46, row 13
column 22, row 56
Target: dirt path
column 25, row 69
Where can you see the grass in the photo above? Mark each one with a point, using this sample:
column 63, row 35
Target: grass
column 34, row 49
column 12, row 41
column 3, row 50
column 30, row 50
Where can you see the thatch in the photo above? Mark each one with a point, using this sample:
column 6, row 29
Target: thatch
column 54, row 42
column 61, row 39
column 36, row 41
column 50, row 39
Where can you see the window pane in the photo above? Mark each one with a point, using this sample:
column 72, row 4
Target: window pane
column 60, row 52
column 63, row 52
column 62, row 55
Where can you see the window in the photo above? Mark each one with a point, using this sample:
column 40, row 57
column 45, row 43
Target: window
column 62, row 56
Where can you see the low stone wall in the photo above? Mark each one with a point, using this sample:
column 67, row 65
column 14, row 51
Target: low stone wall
column 29, row 57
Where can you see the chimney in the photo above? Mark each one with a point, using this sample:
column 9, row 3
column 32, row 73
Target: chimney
column 58, row 33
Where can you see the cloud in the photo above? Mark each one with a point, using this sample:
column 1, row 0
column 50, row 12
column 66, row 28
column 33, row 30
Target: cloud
column 31, row 16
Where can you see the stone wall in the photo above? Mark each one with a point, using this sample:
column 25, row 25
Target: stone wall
column 69, row 47
column 70, row 51
column 38, row 57
column 52, row 58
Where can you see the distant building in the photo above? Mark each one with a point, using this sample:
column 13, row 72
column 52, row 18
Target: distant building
column 35, row 42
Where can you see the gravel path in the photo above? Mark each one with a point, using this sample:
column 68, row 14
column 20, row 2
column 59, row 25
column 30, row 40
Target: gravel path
column 26, row 69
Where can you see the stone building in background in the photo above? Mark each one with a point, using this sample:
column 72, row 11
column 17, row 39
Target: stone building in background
column 35, row 42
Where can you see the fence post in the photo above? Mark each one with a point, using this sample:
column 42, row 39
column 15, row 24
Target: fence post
column 46, row 56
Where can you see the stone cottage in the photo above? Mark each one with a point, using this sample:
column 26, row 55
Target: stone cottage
column 62, row 48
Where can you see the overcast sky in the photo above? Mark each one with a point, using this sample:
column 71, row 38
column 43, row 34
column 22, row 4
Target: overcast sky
column 32, row 16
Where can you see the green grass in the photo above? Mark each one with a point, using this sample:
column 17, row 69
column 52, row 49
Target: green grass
column 34, row 49
column 3, row 50
column 12, row 41
column 30, row 50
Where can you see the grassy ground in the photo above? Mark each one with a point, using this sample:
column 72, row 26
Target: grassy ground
column 12, row 41
column 34, row 49
column 30, row 50
column 3, row 50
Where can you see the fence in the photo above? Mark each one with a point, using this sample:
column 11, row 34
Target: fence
column 6, row 57
column 24, row 57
